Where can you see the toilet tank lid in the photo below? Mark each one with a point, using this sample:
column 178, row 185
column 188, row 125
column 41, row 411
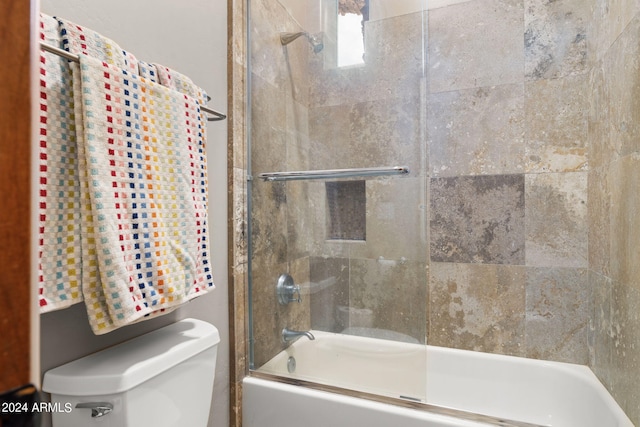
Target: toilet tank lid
column 126, row 365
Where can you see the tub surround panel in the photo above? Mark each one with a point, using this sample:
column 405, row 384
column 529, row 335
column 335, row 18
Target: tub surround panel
column 478, row 219
column 609, row 20
column 328, row 291
column 625, row 221
column 478, row 131
column 614, row 201
column 521, row 120
column 602, row 328
column 558, row 306
column 475, row 44
column 556, row 112
column 395, row 60
column 623, row 65
column 625, row 357
column 394, row 206
column 477, row 307
column 556, row 220
column 367, row 134
column 395, row 291
column 238, row 216
column 555, row 38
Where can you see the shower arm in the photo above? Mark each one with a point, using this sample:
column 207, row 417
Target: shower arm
column 314, row 40
column 286, row 38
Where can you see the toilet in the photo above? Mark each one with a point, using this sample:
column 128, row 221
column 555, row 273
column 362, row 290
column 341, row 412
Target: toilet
column 161, row 379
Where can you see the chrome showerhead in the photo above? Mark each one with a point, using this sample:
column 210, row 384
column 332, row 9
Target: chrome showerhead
column 314, row 39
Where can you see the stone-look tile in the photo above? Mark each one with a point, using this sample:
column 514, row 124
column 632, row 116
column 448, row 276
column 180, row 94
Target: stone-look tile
column 556, row 220
column 625, row 324
column 599, row 220
column 368, row 134
column 268, row 127
column 556, row 117
column 477, row 307
column 555, row 38
column 346, row 208
column 318, row 243
column 236, row 158
column 557, row 314
column 393, row 67
column 297, row 315
column 476, row 44
column 476, row 131
column 396, row 220
column 268, row 56
column 623, row 65
column 299, row 216
column 395, row 291
column 478, row 219
column 269, row 317
column 601, row 328
column 239, row 220
column 328, row 290
column 601, row 146
column 329, row 128
column 625, row 221
column 297, row 136
column 269, row 226
column 608, row 20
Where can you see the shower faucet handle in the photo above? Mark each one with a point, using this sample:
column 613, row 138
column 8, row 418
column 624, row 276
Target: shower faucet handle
column 286, row 290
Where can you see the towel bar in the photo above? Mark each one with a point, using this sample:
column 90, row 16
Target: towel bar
column 333, row 173
column 217, row 116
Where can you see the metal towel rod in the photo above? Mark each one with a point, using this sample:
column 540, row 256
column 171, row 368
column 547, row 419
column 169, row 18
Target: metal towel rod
column 333, row 173
column 70, row 56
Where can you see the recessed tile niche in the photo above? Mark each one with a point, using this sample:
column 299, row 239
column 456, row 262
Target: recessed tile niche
column 346, row 210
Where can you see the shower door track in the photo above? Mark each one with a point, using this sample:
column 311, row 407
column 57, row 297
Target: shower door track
column 334, row 173
column 420, row 406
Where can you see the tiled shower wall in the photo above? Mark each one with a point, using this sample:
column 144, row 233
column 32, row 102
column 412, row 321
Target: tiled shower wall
column 614, row 200
column 516, row 232
column 507, row 135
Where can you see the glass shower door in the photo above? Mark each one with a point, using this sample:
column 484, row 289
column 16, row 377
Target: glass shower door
column 337, row 193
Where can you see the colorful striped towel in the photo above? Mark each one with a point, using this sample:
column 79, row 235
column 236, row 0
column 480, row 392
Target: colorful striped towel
column 144, row 165
column 60, row 222
column 148, row 71
column 83, row 41
column 181, row 83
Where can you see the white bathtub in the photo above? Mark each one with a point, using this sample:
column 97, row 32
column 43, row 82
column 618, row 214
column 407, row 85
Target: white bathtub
column 512, row 388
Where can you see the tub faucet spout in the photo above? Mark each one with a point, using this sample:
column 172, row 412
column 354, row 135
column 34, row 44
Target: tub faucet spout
column 289, row 335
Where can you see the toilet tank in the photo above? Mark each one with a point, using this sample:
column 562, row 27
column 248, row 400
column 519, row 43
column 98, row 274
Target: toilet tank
column 161, row 379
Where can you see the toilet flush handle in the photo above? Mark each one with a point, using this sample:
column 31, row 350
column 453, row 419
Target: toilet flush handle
column 98, row 409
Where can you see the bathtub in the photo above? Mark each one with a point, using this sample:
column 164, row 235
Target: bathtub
column 504, row 390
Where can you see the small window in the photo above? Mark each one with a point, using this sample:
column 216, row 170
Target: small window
column 352, row 15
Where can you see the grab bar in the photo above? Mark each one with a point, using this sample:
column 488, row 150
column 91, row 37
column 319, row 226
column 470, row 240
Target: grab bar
column 333, row 173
